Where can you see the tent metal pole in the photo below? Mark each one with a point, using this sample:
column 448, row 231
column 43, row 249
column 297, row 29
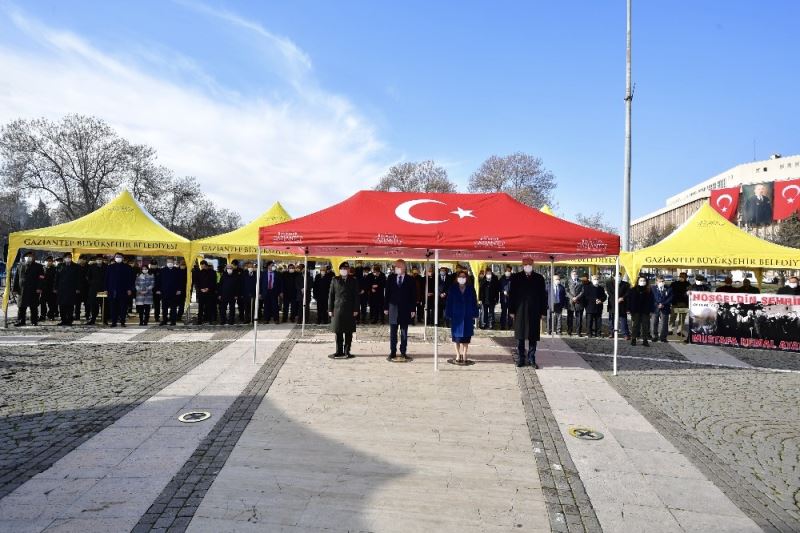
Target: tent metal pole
column 305, row 291
column 257, row 306
column 616, row 314
column 436, row 312
column 552, row 321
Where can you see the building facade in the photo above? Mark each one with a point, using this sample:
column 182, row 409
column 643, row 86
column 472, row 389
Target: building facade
column 684, row 204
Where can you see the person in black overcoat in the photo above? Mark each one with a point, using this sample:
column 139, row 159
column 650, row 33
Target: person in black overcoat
column 640, row 304
column 67, row 289
column 321, row 288
column 205, row 282
column 95, row 282
column 343, row 308
column 488, row 296
column 271, row 290
column 377, row 284
column 527, row 304
column 119, row 285
column 228, row 291
column 28, row 287
column 592, row 299
column 47, row 301
column 400, row 306
column 170, row 285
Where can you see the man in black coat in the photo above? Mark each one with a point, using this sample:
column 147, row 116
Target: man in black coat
column 445, row 280
column 289, row 294
column 119, row 285
column 304, row 286
column 184, row 278
column 83, row 290
column 228, row 291
column 377, row 284
column 363, row 280
column 28, row 287
column 170, row 285
column 624, row 287
column 488, row 296
column 527, row 306
column 156, row 272
column 67, row 288
column 95, row 282
column 205, row 282
column 791, row 287
column 640, row 303
column 47, row 300
column 592, row 298
column 271, row 290
column 321, row 288
column 400, row 306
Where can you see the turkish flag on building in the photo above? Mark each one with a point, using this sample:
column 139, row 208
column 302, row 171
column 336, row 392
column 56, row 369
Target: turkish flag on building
column 725, row 201
column 787, row 199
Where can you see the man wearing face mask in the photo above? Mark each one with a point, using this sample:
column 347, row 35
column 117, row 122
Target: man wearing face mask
column 662, row 302
column 95, row 282
column 680, row 303
column 181, row 301
column 574, row 288
column 445, row 281
column 248, row 298
column 155, row 271
column 377, row 286
column 528, row 305
column 592, row 299
column 228, row 292
column 611, row 289
column 47, row 300
column 505, row 286
column 488, row 296
column 290, row 294
column 343, row 308
column 170, row 286
column 430, row 295
column 303, row 280
column 119, row 286
column 420, row 282
column 558, row 296
column 67, row 288
column 321, row 288
column 271, row 289
column 363, row 277
column 400, row 307
column 791, row 287
column 28, row 280
column 640, row 304
column 579, row 303
column 206, row 283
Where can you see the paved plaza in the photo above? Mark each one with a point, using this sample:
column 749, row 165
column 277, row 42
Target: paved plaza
column 694, row 438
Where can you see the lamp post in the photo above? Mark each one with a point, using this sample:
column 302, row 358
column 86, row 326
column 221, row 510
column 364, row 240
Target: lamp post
column 626, row 187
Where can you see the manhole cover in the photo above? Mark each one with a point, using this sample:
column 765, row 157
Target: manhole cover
column 585, row 433
column 194, row 416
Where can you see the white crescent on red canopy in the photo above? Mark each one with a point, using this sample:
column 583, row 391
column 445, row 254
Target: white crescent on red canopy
column 403, row 212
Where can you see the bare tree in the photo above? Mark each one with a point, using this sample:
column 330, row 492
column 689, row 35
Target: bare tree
column 521, row 175
column 596, row 221
column 422, row 176
column 655, row 235
column 13, row 212
column 788, row 233
column 77, row 163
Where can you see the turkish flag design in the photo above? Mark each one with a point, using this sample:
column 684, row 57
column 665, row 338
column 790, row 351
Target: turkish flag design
column 787, row 199
column 725, row 201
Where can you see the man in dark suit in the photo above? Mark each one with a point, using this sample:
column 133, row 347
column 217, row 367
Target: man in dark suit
column 119, row 285
column 170, row 285
column 95, row 282
column 445, row 280
column 400, row 305
column 228, row 291
column 28, row 282
column 488, row 296
column 271, row 289
column 248, row 297
column 67, row 288
column 528, row 304
column 377, row 284
column 758, row 208
column 289, row 282
column 206, row 283
column 343, row 309
column 321, row 288
column 558, row 295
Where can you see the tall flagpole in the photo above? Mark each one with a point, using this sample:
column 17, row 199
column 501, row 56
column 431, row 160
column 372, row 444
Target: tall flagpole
column 626, row 188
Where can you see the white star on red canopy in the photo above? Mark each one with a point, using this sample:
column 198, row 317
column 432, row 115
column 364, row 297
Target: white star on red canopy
column 463, row 213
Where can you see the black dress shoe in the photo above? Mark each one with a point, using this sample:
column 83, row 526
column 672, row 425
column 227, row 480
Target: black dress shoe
column 645, row 343
column 633, row 342
column 113, row 324
column 534, row 365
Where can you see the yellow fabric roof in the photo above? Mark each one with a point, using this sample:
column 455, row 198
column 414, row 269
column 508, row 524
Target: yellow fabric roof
column 122, row 225
column 242, row 242
column 707, row 239
column 547, row 211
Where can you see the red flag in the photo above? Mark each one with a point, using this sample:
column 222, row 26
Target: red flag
column 725, row 201
column 787, row 199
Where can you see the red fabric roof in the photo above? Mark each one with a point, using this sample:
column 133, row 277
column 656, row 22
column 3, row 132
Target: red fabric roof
column 468, row 226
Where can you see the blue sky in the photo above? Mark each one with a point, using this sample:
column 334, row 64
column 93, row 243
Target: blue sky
column 305, row 102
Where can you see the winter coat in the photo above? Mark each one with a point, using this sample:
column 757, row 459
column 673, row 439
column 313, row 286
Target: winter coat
column 343, row 302
column 640, row 300
column 489, row 291
column 119, row 280
column 400, row 301
column 589, row 298
column 145, row 285
column 461, row 310
column 68, row 284
column 663, row 297
column 528, row 303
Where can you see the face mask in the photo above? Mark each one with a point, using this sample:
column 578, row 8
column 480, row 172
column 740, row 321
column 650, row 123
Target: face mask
column 595, row 282
column 291, row 270
column 28, row 259
column 508, row 274
column 642, row 283
column 273, row 268
column 250, row 269
column 398, row 270
column 49, row 264
column 557, row 281
column 144, row 271
column 343, row 272
column 170, row 265
column 228, row 270
column 574, row 277
column 67, row 260
column 660, row 285
column 442, row 274
column 698, row 282
column 462, row 281
column 792, row 285
column 528, row 269
column 118, row 260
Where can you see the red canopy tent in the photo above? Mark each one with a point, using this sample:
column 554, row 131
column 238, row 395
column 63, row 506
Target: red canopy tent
column 417, row 225
column 462, row 226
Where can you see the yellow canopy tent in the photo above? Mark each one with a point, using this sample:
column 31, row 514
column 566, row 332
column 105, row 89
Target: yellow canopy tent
column 122, row 225
column 547, row 211
column 708, row 240
column 242, row 242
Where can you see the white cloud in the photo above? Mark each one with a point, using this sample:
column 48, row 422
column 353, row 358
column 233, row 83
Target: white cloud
column 305, row 149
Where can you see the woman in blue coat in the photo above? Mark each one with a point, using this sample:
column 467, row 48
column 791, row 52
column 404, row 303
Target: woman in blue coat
column 461, row 310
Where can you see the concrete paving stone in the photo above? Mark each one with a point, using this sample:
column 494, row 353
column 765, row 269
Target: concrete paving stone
column 699, row 495
column 671, row 464
column 643, row 441
column 629, row 518
column 26, row 525
column 693, row 521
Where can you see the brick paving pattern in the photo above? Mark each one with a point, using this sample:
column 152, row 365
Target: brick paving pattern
column 739, row 427
column 176, row 505
column 53, row 398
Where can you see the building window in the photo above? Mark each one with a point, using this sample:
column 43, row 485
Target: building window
column 781, row 166
column 758, row 170
column 765, row 169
